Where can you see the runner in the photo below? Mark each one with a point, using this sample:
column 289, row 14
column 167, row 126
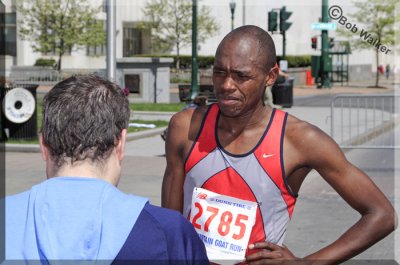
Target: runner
column 242, row 149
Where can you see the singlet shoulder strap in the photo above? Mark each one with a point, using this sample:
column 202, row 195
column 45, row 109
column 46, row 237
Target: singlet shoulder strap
column 205, row 140
column 275, row 132
column 270, row 156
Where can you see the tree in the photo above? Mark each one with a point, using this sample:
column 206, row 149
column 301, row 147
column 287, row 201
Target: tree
column 376, row 19
column 57, row 26
column 170, row 22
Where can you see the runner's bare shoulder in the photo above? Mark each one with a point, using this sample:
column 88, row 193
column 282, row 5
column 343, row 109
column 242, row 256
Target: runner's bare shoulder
column 296, row 126
column 303, row 138
column 187, row 123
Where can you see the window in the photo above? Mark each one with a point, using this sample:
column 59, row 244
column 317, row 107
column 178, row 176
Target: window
column 52, row 51
column 99, row 50
column 135, row 41
column 132, row 42
column 132, row 82
column 8, row 34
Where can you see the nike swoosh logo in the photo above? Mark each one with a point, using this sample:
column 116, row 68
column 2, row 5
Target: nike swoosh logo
column 266, row 156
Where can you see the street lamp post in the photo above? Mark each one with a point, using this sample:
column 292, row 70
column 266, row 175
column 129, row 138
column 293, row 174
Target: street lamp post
column 244, row 12
column 194, row 85
column 111, row 39
column 232, row 5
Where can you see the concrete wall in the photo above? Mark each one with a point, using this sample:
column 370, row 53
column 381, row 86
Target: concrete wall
column 154, row 76
column 299, row 74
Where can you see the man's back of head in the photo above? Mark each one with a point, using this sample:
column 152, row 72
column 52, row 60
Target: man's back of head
column 83, row 117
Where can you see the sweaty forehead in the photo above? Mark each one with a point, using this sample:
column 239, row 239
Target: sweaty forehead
column 238, row 52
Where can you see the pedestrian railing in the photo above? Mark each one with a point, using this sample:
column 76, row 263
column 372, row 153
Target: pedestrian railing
column 366, row 121
column 46, row 76
column 34, row 75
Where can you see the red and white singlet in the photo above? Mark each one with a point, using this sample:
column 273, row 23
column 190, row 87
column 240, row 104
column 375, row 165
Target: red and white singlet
column 256, row 176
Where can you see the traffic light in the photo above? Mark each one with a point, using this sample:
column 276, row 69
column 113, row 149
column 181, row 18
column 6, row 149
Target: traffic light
column 314, row 42
column 272, row 21
column 283, row 16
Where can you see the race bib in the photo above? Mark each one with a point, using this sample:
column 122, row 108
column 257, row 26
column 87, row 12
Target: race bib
column 224, row 223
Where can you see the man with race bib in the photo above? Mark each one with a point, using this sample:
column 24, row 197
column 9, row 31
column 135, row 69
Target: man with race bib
column 234, row 168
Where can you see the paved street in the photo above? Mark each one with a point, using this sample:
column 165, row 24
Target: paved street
column 319, row 217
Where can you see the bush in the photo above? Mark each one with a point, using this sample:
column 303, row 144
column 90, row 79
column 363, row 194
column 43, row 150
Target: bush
column 206, row 62
column 45, row 62
column 203, row 62
column 297, row 61
column 177, row 79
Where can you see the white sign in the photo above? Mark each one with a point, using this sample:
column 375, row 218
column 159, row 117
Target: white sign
column 283, row 65
column 19, row 105
column 223, row 223
column 323, row 26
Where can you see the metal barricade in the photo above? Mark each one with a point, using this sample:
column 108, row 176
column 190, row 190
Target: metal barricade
column 365, row 121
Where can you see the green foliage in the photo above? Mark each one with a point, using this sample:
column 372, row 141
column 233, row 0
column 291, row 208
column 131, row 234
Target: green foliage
column 168, row 107
column 171, row 25
column 185, row 60
column 206, row 62
column 378, row 18
column 297, row 61
column 178, row 79
column 203, row 62
column 45, row 62
column 58, row 26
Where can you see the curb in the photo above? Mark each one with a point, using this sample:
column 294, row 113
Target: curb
column 35, row 148
column 161, row 113
column 144, row 134
column 371, row 134
column 151, row 115
column 26, row 148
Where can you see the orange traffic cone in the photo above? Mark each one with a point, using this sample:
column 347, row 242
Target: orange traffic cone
column 309, row 78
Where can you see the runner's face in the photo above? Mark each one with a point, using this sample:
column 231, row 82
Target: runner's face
column 238, row 76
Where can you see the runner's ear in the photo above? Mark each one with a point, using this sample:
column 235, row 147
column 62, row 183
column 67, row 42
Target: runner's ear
column 120, row 148
column 271, row 76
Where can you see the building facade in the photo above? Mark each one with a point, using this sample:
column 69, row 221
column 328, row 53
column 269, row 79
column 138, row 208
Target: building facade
column 132, row 41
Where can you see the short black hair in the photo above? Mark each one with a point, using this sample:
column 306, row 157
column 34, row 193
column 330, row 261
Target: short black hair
column 83, row 117
column 266, row 46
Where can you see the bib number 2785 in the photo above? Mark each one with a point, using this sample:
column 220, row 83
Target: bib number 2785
column 224, row 223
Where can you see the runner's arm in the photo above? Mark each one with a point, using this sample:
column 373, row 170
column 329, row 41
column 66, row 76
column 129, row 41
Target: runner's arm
column 319, row 151
column 172, row 186
column 358, row 190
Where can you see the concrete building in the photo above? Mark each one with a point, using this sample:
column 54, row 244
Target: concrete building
column 131, row 41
